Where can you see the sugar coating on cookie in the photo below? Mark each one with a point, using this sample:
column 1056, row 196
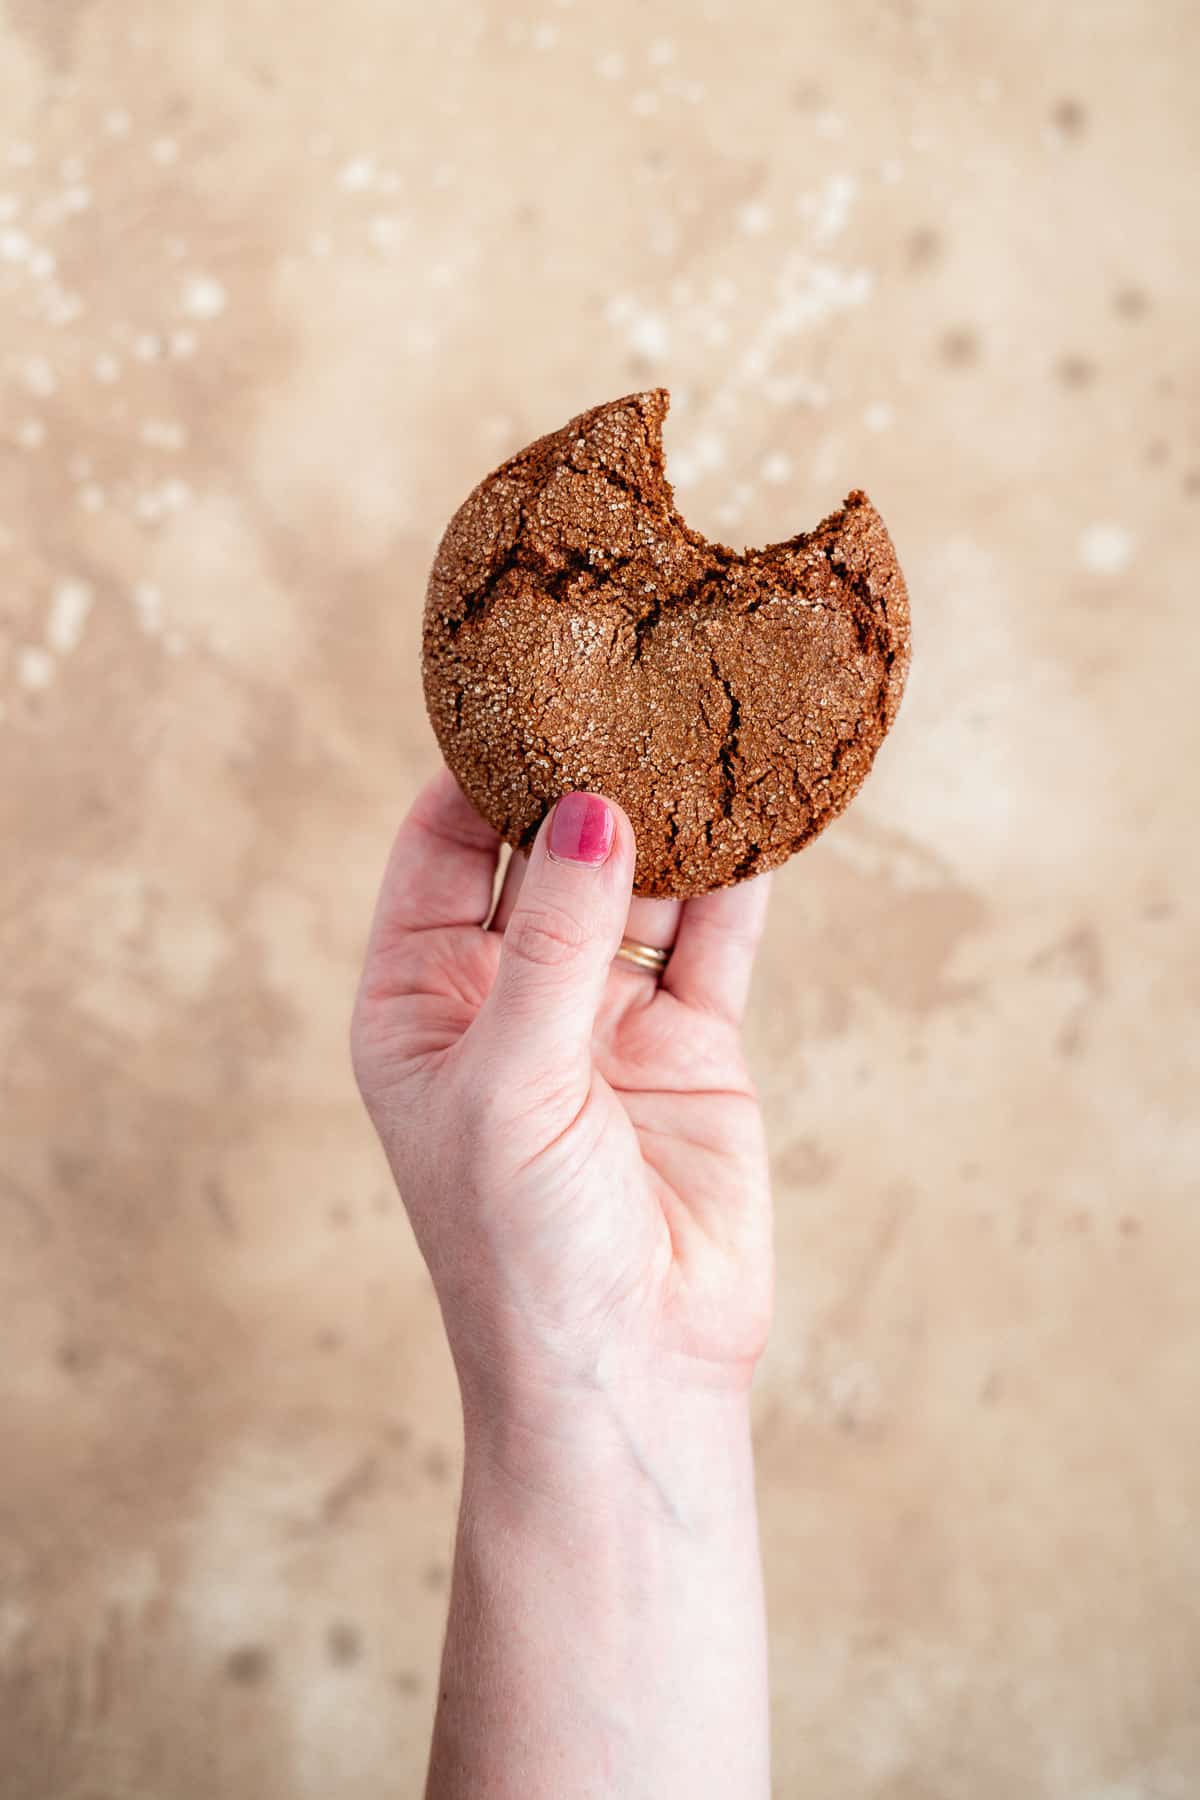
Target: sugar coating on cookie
column 579, row 635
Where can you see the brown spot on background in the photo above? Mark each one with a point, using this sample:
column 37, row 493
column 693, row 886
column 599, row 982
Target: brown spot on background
column 344, row 1644
column 959, row 347
column 1076, row 371
column 923, row 248
column 1131, row 302
column 249, row 1665
column 1071, row 117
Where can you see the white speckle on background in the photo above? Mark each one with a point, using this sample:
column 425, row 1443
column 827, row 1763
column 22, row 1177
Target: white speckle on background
column 175, row 494
column 829, row 124
column 91, row 497
column 42, row 264
column 1105, row 549
column 147, row 604
column 611, row 66
column 183, row 344
column 69, row 609
column 697, row 459
column 10, row 206
column 14, row 246
column 661, row 52
column 35, row 668
column 20, row 155
column 644, row 103
column 117, row 122
column 358, row 175
column 386, row 232
column 795, row 390
column 647, row 335
column 63, row 308
column 833, row 207
column 754, row 218
column 77, row 199
column 163, row 434
column 71, row 168
column 544, row 37
column 890, row 171
column 31, row 434
column 320, row 244
column 164, row 151
column 204, row 297
column 40, row 378
column 777, row 468
column 107, row 368
column 731, row 511
column 148, row 347
column 878, row 417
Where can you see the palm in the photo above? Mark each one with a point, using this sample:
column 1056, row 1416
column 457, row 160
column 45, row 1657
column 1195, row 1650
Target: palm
column 673, row 1111
column 680, row 1078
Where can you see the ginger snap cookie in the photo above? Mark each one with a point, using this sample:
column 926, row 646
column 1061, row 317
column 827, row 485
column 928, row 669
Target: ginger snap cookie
column 579, row 635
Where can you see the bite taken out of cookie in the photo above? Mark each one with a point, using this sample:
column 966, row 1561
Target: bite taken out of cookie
column 579, row 635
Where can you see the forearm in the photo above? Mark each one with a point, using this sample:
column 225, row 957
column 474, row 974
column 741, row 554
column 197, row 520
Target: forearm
column 606, row 1632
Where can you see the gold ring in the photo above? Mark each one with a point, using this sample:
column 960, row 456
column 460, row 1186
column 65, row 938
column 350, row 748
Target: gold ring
column 643, row 956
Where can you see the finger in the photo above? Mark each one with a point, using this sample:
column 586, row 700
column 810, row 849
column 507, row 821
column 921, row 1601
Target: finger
column 560, row 940
column 715, row 946
column 510, row 887
column 650, row 922
column 441, row 868
column 653, row 922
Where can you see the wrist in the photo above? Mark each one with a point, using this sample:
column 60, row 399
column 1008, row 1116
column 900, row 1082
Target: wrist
column 651, row 1448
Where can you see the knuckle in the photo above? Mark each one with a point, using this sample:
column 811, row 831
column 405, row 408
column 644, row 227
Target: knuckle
column 545, row 936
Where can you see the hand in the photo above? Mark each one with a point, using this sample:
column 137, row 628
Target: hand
column 582, row 1159
column 580, row 1149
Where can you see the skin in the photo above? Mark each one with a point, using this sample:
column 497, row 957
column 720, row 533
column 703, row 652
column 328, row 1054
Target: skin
column 582, row 1158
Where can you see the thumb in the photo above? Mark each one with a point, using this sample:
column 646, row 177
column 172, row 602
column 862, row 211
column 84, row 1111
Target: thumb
column 560, row 941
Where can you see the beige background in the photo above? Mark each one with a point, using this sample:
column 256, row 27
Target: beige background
column 278, row 283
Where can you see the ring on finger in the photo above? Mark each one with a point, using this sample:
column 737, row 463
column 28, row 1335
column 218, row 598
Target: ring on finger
column 643, row 956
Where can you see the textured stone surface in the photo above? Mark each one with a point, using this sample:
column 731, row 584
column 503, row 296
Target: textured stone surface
column 276, row 283
column 579, row 634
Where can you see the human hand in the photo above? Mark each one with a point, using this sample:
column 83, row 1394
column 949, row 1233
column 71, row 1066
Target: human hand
column 579, row 1149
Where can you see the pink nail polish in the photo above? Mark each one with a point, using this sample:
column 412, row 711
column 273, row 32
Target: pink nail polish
column 581, row 830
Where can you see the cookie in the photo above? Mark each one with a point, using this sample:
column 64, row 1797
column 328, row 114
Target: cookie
column 579, row 635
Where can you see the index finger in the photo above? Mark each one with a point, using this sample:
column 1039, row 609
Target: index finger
column 441, row 868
